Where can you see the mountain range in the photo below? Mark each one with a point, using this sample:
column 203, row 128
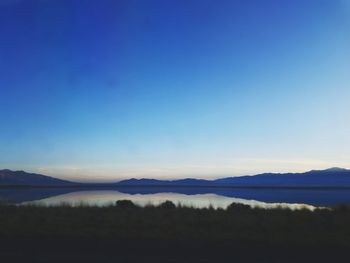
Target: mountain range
column 333, row 177
column 21, row 178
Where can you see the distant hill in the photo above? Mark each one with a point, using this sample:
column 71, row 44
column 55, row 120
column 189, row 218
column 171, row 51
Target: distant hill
column 333, row 177
column 8, row 177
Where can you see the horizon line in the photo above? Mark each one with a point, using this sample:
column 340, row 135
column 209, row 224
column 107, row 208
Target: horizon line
column 168, row 179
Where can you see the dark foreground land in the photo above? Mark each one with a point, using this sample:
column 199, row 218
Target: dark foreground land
column 125, row 233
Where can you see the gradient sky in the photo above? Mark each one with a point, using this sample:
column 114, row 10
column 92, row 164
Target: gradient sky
column 110, row 89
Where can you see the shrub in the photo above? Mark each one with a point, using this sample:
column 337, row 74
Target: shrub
column 167, row 205
column 238, row 207
column 125, row 204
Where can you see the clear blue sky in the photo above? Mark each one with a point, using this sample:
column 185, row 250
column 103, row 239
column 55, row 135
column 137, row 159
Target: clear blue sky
column 110, row 89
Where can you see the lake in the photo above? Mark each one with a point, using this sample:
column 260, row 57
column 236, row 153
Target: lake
column 196, row 197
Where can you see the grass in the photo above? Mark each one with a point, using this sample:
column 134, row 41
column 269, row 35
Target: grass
column 238, row 223
column 124, row 232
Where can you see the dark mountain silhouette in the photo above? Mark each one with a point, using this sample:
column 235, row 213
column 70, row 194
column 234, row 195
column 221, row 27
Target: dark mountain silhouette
column 333, row 177
column 16, row 178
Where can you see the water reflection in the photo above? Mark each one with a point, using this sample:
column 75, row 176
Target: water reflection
column 108, row 197
column 196, row 197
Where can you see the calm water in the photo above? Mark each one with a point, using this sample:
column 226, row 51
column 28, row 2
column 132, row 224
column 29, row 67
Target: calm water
column 197, row 197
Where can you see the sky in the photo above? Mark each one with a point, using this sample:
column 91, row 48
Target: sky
column 103, row 90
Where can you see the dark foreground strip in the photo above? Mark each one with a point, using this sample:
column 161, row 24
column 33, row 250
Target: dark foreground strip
column 144, row 251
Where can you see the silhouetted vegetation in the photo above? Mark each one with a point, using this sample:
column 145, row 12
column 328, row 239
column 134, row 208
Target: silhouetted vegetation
column 238, row 207
column 126, row 220
column 145, row 234
column 125, row 204
column 167, row 205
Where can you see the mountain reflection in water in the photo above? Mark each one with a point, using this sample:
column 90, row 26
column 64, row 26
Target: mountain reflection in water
column 196, row 197
column 101, row 198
